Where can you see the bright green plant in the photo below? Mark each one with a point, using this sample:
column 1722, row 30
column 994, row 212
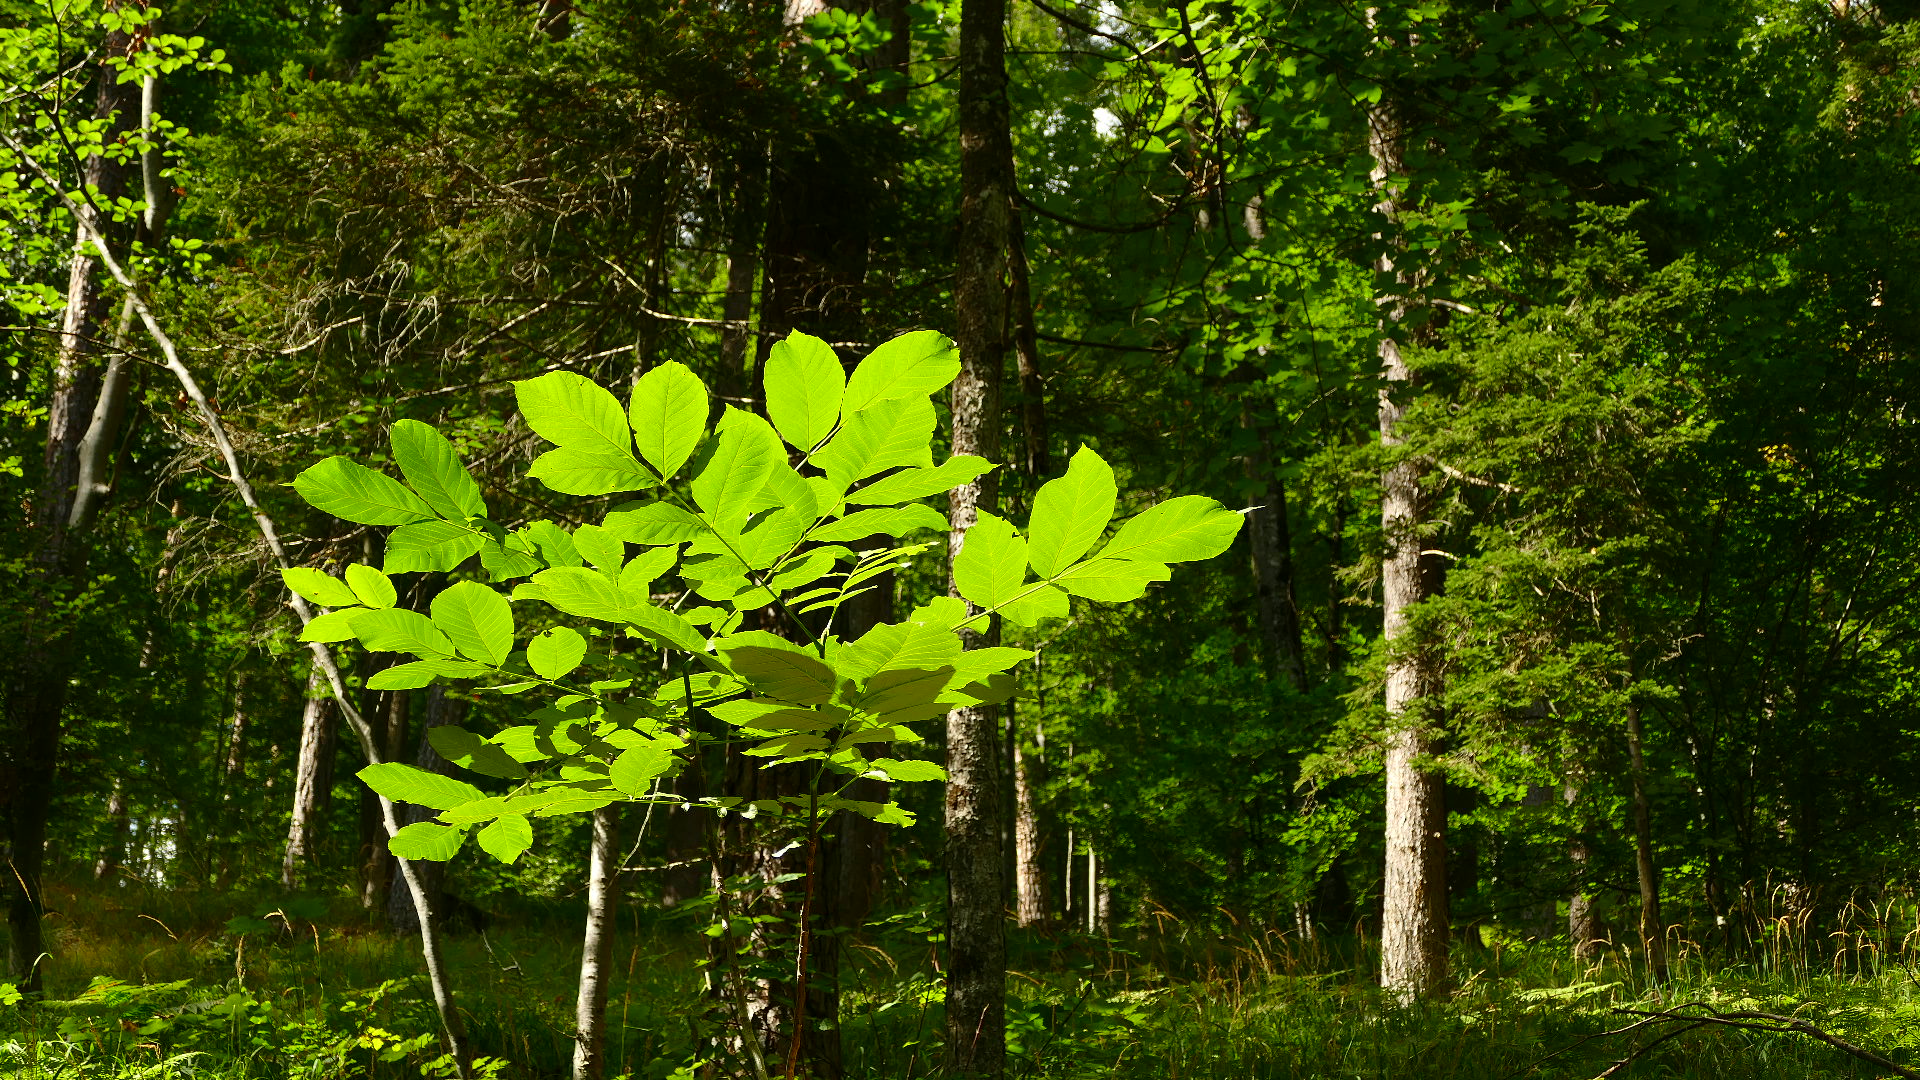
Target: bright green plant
column 750, row 515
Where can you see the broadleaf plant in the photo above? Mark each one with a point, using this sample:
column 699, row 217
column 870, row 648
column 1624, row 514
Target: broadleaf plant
column 744, row 515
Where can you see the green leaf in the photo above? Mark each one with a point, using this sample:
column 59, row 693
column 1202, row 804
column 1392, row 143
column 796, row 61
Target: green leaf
column 655, row 523
column 1112, row 580
column 430, row 545
column 554, row 543
column 891, row 521
column 770, row 537
column 353, row 492
column 557, row 652
column 1070, row 513
column 400, row 630
column 573, row 411
column 889, row 434
column 734, row 468
column 904, row 695
column 435, row 471
column 579, row 591
column 804, row 385
column 506, row 838
column 641, row 571
column 910, row 366
column 333, row 626
column 807, row 568
column 318, row 587
column 669, row 416
column 470, row 751
column 573, row 471
column 601, row 547
column 477, row 620
column 666, row 627
column 992, row 564
column 1046, row 602
column 787, row 490
column 634, row 771
column 921, row 483
column 373, row 588
column 405, row 783
column 898, row 645
column 906, row 771
column 1185, row 529
column 419, row 673
column 503, row 563
column 777, row 668
column 427, row 840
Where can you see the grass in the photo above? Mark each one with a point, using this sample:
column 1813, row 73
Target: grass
column 158, row 985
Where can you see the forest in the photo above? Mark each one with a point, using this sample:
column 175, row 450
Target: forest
column 881, row 539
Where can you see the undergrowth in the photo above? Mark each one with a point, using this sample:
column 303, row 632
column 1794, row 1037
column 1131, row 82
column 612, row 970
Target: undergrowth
column 154, row 985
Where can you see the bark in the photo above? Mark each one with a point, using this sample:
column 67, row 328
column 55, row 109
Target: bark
column 37, row 695
column 93, row 476
column 1030, row 872
column 1413, row 932
column 976, row 928
column 392, row 709
column 1585, row 929
column 1652, row 931
column 1272, row 544
column 596, row 951
column 743, row 270
column 443, row 707
column 115, row 850
column 313, row 780
column 1026, row 350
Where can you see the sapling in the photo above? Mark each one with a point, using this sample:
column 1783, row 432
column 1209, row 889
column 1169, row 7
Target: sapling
column 754, row 513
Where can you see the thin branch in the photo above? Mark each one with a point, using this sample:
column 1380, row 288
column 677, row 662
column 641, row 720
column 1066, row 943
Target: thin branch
column 323, row 657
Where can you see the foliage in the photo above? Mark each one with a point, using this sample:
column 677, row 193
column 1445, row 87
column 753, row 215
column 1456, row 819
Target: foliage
column 745, row 531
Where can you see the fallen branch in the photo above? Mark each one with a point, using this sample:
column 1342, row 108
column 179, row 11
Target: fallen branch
column 1745, row 1020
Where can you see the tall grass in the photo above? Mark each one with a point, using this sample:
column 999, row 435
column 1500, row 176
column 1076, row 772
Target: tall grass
column 337, row 997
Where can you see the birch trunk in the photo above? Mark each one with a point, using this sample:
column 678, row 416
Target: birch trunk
column 596, row 951
column 1413, row 931
column 976, row 929
column 313, row 779
column 37, row 694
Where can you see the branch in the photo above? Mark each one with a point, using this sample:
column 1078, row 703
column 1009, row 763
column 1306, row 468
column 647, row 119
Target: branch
column 322, row 656
column 1748, row 1021
column 1121, row 230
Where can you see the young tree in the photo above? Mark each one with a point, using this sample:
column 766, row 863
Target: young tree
column 745, row 530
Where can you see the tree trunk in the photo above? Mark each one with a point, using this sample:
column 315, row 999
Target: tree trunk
column 442, row 708
column 1585, row 929
column 1272, row 543
column 1030, row 871
column 1026, row 349
column 114, row 852
column 976, row 928
column 1652, row 931
column 1413, row 931
column 38, row 692
column 313, row 779
column 394, row 706
column 596, row 951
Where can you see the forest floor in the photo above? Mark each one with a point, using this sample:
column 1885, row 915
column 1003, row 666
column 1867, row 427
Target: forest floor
column 156, row 985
